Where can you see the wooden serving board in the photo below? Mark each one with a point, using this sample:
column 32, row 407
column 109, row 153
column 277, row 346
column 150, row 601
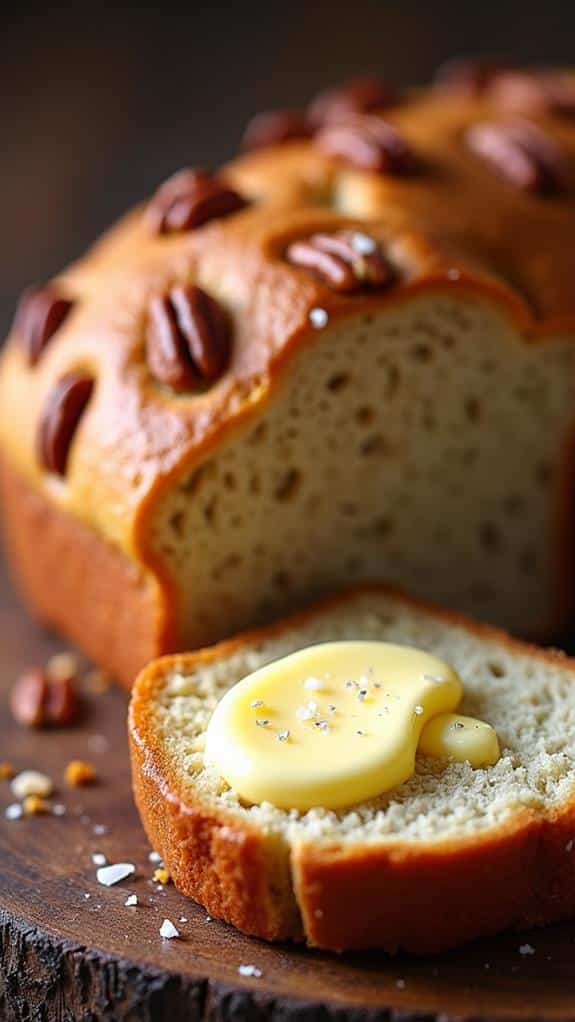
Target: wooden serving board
column 70, row 948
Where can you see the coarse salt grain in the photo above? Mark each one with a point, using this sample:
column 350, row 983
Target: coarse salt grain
column 283, row 736
column 13, row 812
column 318, row 318
column 569, row 846
column 183, row 919
column 58, row 809
column 154, row 857
column 168, row 931
column 419, row 710
column 99, row 859
column 32, row 782
column 131, row 900
column 109, row 875
column 100, row 829
column 315, row 684
column 256, row 703
column 526, row 949
column 249, row 970
column 400, row 984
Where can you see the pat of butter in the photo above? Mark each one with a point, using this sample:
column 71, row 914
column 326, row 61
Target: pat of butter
column 462, row 739
column 330, row 725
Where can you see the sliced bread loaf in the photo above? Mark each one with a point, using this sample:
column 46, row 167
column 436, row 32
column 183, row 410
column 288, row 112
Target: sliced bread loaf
column 452, row 854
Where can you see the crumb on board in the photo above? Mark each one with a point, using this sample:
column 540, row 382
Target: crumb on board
column 79, row 772
column 250, row 970
column 168, row 931
column 162, row 875
column 31, row 782
column 34, row 804
column 114, row 873
column 14, row 811
column 6, row 771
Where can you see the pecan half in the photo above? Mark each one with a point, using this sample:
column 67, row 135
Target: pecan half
column 188, row 338
column 190, row 198
column 357, row 96
column 538, row 91
column 274, row 127
column 38, row 700
column 522, row 153
column 60, row 420
column 346, row 261
column 369, row 143
column 40, row 313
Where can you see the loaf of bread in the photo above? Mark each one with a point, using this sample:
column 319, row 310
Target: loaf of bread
column 449, row 855
column 347, row 356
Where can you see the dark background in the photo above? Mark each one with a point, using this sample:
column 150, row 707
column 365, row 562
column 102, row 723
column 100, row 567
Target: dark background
column 98, row 104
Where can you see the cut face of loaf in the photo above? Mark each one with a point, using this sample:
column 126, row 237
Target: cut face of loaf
column 425, row 444
column 451, row 854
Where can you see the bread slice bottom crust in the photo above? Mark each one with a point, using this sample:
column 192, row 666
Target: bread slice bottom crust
column 414, row 896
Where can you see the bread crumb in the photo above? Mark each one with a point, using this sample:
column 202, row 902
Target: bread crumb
column 6, row 771
column 162, row 875
column 34, row 804
column 63, row 666
column 32, row 782
column 168, row 931
column 13, row 812
column 250, row 970
column 79, row 772
column 109, row 875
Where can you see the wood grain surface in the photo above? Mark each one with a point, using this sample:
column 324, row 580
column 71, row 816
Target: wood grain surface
column 71, row 950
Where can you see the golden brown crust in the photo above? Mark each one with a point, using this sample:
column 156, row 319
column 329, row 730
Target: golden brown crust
column 454, row 227
column 420, row 898
column 75, row 581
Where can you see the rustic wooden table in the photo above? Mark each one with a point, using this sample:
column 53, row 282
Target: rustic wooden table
column 71, row 950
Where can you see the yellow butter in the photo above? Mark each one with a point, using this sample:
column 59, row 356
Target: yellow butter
column 461, row 739
column 330, row 725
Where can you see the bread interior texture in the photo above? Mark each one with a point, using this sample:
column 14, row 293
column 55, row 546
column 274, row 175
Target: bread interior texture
column 421, row 444
column 529, row 700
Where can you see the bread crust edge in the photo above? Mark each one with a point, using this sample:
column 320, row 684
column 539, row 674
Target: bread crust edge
column 393, row 896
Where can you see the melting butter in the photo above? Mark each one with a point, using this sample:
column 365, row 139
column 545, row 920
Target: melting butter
column 340, row 723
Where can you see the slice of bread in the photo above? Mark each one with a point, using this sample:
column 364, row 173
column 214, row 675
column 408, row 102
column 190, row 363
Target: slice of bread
column 452, row 854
